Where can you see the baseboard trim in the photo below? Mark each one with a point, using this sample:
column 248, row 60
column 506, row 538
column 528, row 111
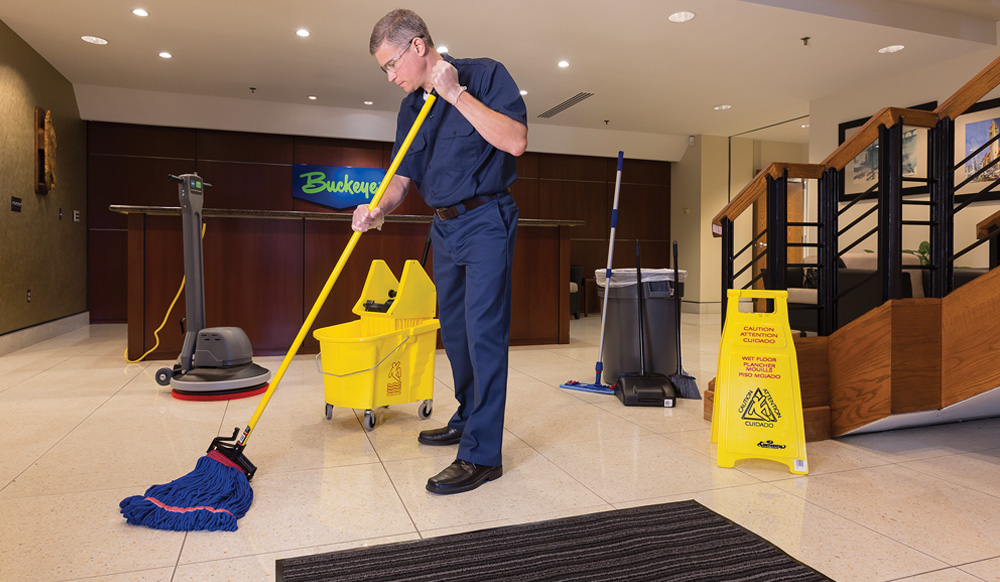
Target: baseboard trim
column 702, row 308
column 22, row 338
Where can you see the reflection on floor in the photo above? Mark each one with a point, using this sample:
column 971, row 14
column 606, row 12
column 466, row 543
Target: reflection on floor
column 80, row 430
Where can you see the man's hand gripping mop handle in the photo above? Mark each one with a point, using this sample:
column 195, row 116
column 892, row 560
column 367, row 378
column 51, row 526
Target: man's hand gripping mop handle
column 292, row 351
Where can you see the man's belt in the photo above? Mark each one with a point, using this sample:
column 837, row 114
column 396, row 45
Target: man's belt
column 466, row 205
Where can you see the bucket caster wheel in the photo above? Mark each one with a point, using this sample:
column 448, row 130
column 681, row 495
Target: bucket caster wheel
column 370, row 420
column 424, row 412
column 163, row 376
column 329, row 412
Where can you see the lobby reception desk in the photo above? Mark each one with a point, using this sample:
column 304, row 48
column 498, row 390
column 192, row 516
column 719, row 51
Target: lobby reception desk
column 265, row 269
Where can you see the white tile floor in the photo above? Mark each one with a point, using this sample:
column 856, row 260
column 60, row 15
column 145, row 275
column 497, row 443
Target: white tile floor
column 80, row 430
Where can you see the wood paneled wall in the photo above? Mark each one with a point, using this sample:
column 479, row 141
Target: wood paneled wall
column 128, row 164
column 583, row 188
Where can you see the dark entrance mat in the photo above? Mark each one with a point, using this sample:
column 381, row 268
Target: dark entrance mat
column 673, row 542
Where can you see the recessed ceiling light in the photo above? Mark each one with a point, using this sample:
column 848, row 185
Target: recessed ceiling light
column 312, row 97
column 523, row 92
column 140, row 12
column 369, row 102
column 563, row 64
column 680, row 16
column 804, row 126
column 94, row 39
column 302, row 32
column 442, row 49
column 894, row 48
column 723, row 107
column 166, row 55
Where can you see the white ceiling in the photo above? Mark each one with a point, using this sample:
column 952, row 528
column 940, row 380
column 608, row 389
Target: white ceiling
column 647, row 74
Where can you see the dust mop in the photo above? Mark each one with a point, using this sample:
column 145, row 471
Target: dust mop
column 597, row 386
column 217, row 492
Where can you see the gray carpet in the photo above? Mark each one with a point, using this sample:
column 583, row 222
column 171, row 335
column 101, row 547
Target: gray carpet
column 673, row 542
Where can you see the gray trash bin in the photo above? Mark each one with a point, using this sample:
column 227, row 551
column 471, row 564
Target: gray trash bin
column 621, row 325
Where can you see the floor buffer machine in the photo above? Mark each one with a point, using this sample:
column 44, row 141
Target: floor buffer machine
column 215, row 363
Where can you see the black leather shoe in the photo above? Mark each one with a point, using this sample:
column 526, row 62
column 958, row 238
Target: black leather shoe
column 440, row 437
column 461, row 476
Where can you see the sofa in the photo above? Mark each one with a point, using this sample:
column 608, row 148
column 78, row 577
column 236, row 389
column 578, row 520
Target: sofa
column 853, row 269
column 962, row 276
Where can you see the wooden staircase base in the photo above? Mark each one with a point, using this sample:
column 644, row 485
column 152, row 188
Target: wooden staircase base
column 814, row 383
column 908, row 355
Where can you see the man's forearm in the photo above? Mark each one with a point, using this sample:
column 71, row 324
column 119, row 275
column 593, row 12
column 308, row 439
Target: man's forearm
column 394, row 194
column 500, row 131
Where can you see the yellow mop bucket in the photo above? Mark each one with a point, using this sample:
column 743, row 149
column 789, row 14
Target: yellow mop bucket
column 387, row 356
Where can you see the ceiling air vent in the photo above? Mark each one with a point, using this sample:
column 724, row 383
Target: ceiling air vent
column 565, row 105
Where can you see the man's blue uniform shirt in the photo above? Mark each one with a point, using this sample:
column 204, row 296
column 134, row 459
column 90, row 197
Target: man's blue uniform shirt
column 448, row 160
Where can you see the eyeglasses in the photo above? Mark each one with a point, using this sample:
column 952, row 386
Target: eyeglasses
column 391, row 64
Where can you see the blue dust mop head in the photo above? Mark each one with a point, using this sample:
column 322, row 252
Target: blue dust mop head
column 597, row 387
column 212, row 497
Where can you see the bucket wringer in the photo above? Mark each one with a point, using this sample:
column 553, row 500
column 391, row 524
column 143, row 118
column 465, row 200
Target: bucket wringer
column 387, row 356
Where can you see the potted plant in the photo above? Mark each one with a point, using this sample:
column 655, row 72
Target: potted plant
column 923, row 253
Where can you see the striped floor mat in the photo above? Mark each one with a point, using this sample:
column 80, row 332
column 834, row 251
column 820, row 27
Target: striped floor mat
column 673, row 542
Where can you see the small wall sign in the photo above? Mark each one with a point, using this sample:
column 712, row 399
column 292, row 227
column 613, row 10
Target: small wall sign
column 338, row 187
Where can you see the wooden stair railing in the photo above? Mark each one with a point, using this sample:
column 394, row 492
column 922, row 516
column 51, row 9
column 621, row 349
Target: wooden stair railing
column 912, row 316
column 985, row 229
column 970, row 93
column 757, row 187
column 837, row 160
column 868, row 134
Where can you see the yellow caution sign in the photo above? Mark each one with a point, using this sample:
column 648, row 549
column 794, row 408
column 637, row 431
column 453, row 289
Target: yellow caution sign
column 757, row 411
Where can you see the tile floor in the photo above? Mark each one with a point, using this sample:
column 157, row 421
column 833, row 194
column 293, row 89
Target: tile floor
column 80, row 429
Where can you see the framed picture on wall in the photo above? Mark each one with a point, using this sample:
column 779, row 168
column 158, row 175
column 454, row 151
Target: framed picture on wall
column 861, row 173
column 974, row 129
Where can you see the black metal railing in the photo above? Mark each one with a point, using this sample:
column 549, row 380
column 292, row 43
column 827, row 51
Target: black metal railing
column 888, row 205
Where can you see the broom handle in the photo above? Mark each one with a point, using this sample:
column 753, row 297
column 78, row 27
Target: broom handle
column 607, row 273
column 677, row 307
column 241, row 442
column 642, row 304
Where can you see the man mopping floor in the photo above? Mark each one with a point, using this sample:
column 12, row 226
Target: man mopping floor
column 463, row 166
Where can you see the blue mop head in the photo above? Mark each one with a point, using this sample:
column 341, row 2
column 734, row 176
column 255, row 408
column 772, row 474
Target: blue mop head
column 584, row 387
column 212, row 497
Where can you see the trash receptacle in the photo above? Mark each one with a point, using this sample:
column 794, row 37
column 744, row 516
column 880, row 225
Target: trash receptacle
column 621, row 323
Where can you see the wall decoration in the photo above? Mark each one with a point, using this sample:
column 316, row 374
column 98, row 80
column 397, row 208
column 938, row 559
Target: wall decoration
column 861, row 173
column 979, row 126
column 50, row 152
column 45, row 151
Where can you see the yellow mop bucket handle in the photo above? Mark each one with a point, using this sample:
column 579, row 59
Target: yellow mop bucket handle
column 319, row 365
column 314, row 312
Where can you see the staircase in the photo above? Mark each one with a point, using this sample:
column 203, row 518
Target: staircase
column 909, row 361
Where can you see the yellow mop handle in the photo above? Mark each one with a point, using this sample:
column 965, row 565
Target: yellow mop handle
column 334, row 275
